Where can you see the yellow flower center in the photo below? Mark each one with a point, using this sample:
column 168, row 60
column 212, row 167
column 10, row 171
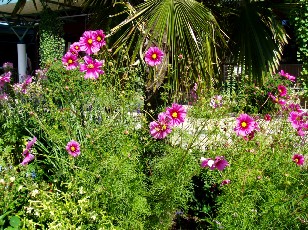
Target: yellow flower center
column 174, row 115
column 164, row 127
column 90, row 41
column 90, row 66
column 296, row 160
column 98, row 38
column 76, row 47
column 70, row 61
column 73, row 148
column 154, row 56
column 277, row 99
column 243, row 124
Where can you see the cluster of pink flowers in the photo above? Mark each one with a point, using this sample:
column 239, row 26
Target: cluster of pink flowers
column 7, row 66
column 90, row 43
column 299, row 121
column 5, row 78
column 287, row 76
column 153, row 56
column 246, row 126
column 41, row 73
column 173, row 116
column 28, row 156
column 73, row 148
column 281, row 97
column 219, row 163
column 22, row 87
column 216, row 101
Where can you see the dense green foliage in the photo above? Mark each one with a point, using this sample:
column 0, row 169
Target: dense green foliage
column 51, row 37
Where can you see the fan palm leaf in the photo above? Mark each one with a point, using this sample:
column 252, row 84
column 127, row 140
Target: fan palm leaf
column 184, row 27
column 257, row 40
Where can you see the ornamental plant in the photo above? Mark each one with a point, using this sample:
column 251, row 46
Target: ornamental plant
column 101, row 163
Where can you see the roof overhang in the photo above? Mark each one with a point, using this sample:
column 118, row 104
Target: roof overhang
column 31, row 11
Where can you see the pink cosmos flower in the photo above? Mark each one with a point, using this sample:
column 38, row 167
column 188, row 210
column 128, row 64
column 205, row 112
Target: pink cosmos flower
column 153, row 56
column 177, row 113
column 298, row 159
column 286, row 75
column 300, row 132
column 88, row 42
column 207, row 162
column 75, row 48
column 216, row 101
column 277, row 99
column 220, row 163
column 70, row 61
column 245, row 125
column 290, row 77
column 161, row 128
column 295, row 107
column 100, row 38
column 73, row 148
column 92, row 67
column 282, row 90
column 296, row 119
column 267, row 117
column 224, row 182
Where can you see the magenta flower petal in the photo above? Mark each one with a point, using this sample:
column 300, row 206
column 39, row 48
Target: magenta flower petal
column 153, row 56
column 282, row 90
column 73, row 148
column 28, row 158
column 207, row 162
column 31, row 143
column 267, row 117
column 224, row 182
column 220, row 163
column 177, row 113
column 298, row 159
column 216, row 101
column 296, row 119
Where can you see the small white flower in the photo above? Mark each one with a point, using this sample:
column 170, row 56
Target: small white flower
column 2, row 181
column 34, row 192
column 29, row 209
column 19, row 188
column 138, row 126
column 12, row 179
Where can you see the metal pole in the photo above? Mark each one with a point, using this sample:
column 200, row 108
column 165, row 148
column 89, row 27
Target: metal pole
column 22, row 61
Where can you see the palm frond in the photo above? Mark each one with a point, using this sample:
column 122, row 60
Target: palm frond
column 180, row 27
